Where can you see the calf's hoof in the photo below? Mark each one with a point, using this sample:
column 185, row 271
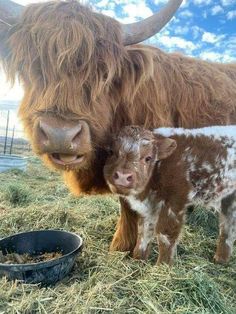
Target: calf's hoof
column 139, row 254
column 165, row 261
column 223, row 253
column 119, row 246
column 221, row 259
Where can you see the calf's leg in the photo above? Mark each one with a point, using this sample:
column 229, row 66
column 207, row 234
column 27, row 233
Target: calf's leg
column 227, row 235
column 146, row 231
column 168, row 231
column 125, row 237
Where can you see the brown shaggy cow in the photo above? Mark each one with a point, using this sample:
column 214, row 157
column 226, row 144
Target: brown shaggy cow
column 157, row 177
column 84, row 78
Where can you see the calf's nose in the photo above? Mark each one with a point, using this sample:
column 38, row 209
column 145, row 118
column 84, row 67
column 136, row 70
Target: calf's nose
column 123, row 179
column 56, row 139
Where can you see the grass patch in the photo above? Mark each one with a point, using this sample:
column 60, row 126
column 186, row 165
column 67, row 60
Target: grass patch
column 204, row 218
column 17, row 194
column 104, row 282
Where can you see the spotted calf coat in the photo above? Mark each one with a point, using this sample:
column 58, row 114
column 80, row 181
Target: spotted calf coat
column 201, row 169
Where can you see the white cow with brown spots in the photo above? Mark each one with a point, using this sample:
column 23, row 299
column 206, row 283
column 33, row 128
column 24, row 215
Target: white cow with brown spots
column 159, row 173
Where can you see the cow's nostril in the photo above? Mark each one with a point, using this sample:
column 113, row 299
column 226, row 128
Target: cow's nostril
column 129, row 178
column 43, row 133
column 116, row 176
column 76, row 136
column 43, row 136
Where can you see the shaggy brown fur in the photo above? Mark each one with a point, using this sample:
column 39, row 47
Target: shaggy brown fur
column 73, row 65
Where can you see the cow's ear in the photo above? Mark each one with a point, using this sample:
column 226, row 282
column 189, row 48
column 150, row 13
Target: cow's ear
column 165, row 147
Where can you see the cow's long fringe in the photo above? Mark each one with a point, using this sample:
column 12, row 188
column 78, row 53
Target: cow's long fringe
column 75, row 65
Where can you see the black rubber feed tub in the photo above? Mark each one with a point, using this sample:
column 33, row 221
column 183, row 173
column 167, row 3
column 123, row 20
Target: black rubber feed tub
column 39, row 242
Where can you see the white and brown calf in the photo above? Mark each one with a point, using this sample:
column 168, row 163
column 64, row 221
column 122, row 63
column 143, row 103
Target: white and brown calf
column 158, row 174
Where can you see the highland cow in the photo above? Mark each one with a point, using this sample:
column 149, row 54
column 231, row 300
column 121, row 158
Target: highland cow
column 158, row 177
column 85, row 76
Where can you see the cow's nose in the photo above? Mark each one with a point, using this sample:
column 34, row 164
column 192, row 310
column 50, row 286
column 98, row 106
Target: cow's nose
column 123, row 179
column 56, row 139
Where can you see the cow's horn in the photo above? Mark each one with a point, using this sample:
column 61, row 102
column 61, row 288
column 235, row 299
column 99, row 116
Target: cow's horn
column 136, row 32
column 9, row 11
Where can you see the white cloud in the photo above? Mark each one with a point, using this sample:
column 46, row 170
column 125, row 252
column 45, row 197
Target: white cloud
column 216, row 10
column 211, row 38
column 216, row 56
column 227, row 2
column 160, row 1
column 231, row 44
column 174, row 42
column 180, row 30
column 231, row 15
column 197, row 31
column 186, row 14
column 134, row 11
column 102, row 3
column 202, row 2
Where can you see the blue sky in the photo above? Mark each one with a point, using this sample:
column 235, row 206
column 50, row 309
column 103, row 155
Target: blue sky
column 201, row 28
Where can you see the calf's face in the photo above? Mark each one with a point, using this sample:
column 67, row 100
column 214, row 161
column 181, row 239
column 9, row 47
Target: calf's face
column 133, row 157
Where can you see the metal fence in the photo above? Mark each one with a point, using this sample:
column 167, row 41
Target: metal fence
column 12, row 140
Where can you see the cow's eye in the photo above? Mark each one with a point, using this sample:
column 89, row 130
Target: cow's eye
column 148, row 158
column 110, row 152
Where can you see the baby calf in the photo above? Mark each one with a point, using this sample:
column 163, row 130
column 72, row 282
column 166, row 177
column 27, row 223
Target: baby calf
column 158, row 174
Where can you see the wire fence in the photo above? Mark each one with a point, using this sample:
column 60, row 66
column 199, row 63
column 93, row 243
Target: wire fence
column 12, row 140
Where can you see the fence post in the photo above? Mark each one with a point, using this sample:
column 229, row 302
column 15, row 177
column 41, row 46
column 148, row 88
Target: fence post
column 5, row 144
column 13, row 132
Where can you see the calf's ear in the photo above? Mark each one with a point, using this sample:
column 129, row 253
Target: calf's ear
column 165, row 147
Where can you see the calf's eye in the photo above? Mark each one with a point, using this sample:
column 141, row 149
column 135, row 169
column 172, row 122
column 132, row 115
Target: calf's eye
column 148, row 158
